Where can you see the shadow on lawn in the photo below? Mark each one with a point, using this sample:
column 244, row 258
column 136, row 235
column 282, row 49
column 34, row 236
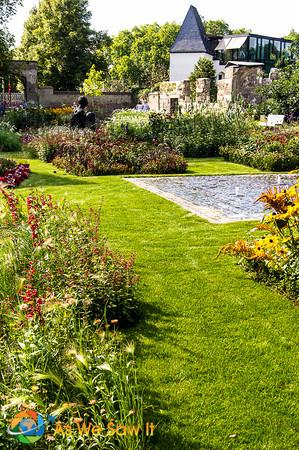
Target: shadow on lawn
column 54, row 180
column 158, row 411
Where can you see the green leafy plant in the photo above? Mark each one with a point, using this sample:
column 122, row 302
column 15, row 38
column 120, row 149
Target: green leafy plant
column 273, row 255
column 204, row 69
column 9, row 141
column 23, row 119
column 276, row 150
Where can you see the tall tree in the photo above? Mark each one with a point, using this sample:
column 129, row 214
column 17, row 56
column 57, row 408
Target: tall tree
column 293, row 35
column 204, row 69
column 217, row 27
column 58, row 36
column 221, row 28
column 140, row 57
column 7, row 9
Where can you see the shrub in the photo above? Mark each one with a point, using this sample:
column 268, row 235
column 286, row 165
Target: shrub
column 86, row 153
column 61, row 255
column 63, row 293
column 23, row 119
column 130, row 123
column 6, row 164
column 204, row 68
column 9, row 141
column 283, row 93
column 199, row 133
column 276, row 150
column 273, row 255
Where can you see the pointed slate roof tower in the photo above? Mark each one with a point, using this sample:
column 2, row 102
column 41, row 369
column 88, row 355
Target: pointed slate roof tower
column 192, row 37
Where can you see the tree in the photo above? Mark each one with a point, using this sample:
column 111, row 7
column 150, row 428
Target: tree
column 293, row 35
column 241, row 30
column 58, row 36
column 203, row 69
column 221, row 28
column 93, row 84
column 7, row 9
column 217, row 27
column 139, row 58
column 284, row 92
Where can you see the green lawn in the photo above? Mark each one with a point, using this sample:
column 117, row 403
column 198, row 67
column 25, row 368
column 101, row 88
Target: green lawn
column 218, row 353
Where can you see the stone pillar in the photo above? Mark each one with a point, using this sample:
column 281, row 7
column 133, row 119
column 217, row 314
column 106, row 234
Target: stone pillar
column 154, row 101
column 203, row 90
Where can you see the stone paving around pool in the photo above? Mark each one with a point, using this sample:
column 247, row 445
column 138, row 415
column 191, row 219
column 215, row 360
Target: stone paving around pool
column 219, row 199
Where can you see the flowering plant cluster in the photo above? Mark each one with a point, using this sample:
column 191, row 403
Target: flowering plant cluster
column 66, row 257
column 63, row 295
column 61, row 111
column 197, row 133
column 272, row 150
column 274, row 255
column 12, row 174
column 87, row 153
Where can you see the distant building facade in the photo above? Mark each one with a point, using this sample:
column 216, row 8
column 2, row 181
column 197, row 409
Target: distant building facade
column 193, row 43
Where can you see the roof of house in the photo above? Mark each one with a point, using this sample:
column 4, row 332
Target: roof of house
column 192, row 37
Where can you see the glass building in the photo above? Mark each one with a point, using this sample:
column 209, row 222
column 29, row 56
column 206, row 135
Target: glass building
column 251, row 48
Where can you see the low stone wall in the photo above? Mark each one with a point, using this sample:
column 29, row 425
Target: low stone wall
column 176, row 95
column 105, row 103
column 240, row 82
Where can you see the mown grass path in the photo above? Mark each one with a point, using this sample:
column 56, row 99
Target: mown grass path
column 218, row 353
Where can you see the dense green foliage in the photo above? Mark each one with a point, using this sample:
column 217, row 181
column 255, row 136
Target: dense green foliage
column 282, row 95
column 198, row 134
column 9, row 141
column 204, row 69
column 276, row 150
column 130, row 123
column 138, row 58
column 23, row 119
column 7, row 9
column 95, row 154
column 58, row 36
column 221, row 28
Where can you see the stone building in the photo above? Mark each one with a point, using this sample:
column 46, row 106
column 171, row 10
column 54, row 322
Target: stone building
column 192, row 43
column 240, row 61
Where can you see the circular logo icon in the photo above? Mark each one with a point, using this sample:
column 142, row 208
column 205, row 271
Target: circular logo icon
column 27, row 427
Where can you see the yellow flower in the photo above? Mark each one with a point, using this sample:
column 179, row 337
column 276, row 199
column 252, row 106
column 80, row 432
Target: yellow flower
column 35, row 388
column 271, row 241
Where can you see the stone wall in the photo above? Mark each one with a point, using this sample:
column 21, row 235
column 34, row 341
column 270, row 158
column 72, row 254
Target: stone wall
column 176, row 95
column 203, row 90
column 241, row 82
column 27, row 70
column 105, row 103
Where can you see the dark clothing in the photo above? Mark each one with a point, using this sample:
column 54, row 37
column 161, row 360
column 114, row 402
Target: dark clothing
column 78, row 119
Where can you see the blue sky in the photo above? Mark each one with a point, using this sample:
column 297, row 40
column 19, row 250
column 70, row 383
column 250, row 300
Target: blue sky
column 269, row 17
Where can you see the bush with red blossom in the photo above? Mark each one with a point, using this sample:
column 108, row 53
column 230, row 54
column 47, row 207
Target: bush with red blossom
column 12, row 174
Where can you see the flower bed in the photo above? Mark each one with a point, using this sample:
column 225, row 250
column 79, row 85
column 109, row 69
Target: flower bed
column 88, row 153
column 199, row 133
column 273, row 256
column 63, row 293
column 12, row 174
column 276, row 150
